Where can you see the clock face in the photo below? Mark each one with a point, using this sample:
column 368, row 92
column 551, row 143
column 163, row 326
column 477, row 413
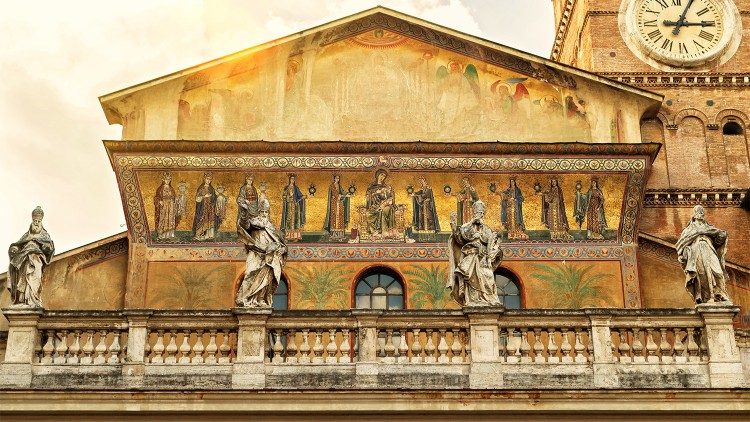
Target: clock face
column 680, row 32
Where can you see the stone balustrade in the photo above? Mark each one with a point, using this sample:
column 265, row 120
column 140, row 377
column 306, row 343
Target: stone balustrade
column 470, row 348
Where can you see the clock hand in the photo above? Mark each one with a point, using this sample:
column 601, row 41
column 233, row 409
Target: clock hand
column 685, row 23
column 681, row 20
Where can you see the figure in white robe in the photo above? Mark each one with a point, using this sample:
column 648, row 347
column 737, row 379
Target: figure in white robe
column 28, row 257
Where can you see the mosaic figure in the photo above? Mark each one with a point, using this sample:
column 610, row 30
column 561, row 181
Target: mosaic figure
column 165, row 208
column 473, row 256
column 247, row 202
column 180, row 203
column 424, row 215
column 553, row 211
column 701, row 250
column 221, row 205
column 511, row 212
column 293, row 210
column 337, row 213
column 28, row 257
column 579, row 205
column 596, row 222
column 266, row 252
column 465, row 199
column 380, row 205
column 205, row 222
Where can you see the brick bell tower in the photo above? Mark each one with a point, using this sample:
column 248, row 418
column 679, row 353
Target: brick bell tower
column 697, row 54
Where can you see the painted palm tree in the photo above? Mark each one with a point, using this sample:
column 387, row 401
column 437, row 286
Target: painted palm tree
column 572, row 286
column 428, row 289
column 322, row 286
column 189, row 287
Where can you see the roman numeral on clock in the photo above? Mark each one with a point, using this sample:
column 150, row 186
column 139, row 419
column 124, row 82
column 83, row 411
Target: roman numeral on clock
column 655, row 35
column 702, row 12
column 683, row 48
column 676, row 2
column 663, row 3
column 698, row 44
column 650, row 23
column 706, row 36
column 667, row 44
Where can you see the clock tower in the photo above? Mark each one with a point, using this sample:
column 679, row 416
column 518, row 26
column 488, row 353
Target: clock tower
column 697, row 54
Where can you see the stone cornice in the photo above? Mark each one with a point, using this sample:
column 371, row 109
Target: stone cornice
column 680, row 79
column 715, row 198
column 562, row 28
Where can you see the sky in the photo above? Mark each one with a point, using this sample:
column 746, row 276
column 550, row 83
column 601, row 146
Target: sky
column 58, row 57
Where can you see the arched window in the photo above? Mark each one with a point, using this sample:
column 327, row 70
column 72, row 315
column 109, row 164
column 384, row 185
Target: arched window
column 508, row 289
column 731, row 128
column 281, row 296
column 379, row 288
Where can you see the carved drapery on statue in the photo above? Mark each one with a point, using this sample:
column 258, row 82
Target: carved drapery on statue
column 266, row 253
column 474, row 254
column 28, row 256
column 701, row 249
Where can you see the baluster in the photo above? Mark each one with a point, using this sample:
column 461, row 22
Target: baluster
column 61, row 346
column 692, row 346
column 198, row 348
column 355, row 350
column 565, row 347
column 456, row 347
column 278, row 347
column 538, row 346
column 38, row 347
column 416, row 347
column 318, row 347
column 396, row 339
column 159, row 348
column 403, row 348
column 703, row 345
column 184, row 348
column 211, row 348
column 651, row 347
column 512, row 347
column 525, row 346
column 678, row 348
column 88, row 348
column 291, row 347
column 429, row 348
column 171, row 350
column 442, row 347
column 101, row 348
column 552, row 346
column 388, row 348
column 624, row 347
column 305, row 347
column 224, row 348
column 579, row 347
column 114, row 348
column 589, row 346
column 345, row 348
column 331, row 349
column 467, row 345
column 75, row 348
column 637, row 346
column 666, row 352
column 146, row 349
column 49, row 347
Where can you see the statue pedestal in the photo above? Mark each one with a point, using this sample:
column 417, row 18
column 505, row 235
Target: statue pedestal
column 249, row 366
column 484, row 338
column 724, row 362
column 19, row 351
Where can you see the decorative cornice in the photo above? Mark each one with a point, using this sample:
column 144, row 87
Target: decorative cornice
column 714, row 198
column 672, row 79
column 712, row 126
column 562, row 28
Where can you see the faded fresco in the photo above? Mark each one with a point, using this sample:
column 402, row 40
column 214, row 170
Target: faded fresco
column 381, row 206
column 346, row 89
column 192, row 285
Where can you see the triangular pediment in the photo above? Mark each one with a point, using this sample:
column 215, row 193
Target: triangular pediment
column 380, row 75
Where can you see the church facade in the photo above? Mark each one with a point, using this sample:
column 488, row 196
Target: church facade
column 369, row 140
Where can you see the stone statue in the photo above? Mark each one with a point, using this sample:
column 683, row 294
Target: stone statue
column 266, row 252
column 701, row 249
column 473, row 257
column 28, row 257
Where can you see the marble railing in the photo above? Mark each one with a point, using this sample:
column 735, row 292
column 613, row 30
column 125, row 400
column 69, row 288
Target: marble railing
column 448, row 349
